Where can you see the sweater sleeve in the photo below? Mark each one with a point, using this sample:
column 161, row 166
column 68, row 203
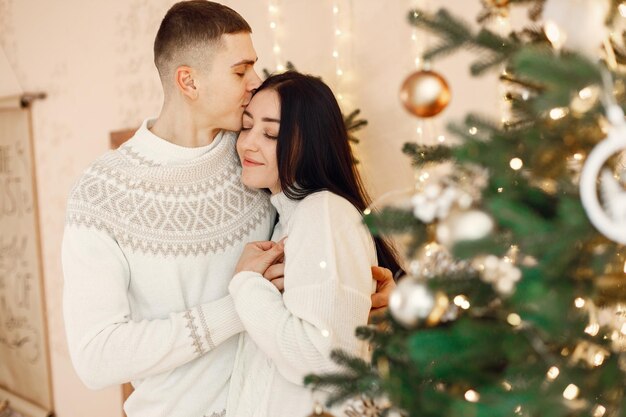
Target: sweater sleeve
column 328, row 286
column 105, row 345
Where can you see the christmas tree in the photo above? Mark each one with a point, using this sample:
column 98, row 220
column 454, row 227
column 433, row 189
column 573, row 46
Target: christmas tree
column 514, row 302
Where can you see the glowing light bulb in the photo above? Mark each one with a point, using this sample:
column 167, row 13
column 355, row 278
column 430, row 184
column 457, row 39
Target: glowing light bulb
column 462, row 302
column 558, row 113
column 472, row 396
column 516, row 164
column 571, row 392
column 585, row 93
column 598, row 359
column 514, row 319
column 599, row 410
column 592, row 329
column 553, row 373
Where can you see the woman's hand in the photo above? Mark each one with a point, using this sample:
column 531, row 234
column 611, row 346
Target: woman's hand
column 259, row 256
column 384, row 287
column 276, row 274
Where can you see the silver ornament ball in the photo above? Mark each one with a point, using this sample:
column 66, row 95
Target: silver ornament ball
column 411, row 301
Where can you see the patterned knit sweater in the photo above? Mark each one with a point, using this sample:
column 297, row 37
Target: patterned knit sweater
column 152, row 236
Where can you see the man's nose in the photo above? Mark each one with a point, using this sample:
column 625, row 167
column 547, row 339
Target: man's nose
column 255, row 82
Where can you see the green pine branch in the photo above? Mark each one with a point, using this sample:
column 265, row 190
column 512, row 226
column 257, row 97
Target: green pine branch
column 422, row 155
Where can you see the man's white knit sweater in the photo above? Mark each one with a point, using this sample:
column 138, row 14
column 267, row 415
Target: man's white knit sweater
column 153, row 234
column 328, row 285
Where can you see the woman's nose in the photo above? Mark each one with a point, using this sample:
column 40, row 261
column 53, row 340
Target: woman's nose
column 247, row 141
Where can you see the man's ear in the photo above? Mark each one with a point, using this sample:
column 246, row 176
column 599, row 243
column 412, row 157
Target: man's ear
column 185, row 82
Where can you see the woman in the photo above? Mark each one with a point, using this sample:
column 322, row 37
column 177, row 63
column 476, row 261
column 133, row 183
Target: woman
column 294, row 143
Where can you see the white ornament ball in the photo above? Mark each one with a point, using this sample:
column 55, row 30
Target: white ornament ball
column 410, row 302
column 464, row 225
column 581, row 23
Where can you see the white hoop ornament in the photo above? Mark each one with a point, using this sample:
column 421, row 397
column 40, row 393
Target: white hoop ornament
column 611, row 224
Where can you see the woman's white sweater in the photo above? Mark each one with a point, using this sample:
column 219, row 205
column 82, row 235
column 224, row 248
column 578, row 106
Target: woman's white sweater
column 152, row 237
column 328, row 287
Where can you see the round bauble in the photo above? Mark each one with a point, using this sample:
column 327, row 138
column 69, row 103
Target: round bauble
column 411, row 301
column 425, row 93
column 464, row 225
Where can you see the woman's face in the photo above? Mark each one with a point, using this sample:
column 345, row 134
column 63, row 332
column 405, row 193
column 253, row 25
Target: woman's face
column 256, row 145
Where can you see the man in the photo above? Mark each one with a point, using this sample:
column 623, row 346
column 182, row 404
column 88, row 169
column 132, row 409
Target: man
column 155, row 228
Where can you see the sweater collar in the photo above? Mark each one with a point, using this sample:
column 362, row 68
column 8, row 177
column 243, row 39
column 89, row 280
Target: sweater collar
column 284, row 206
column 163, row 151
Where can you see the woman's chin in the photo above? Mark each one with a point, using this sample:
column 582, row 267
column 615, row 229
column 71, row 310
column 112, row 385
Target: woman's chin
column 249, row 183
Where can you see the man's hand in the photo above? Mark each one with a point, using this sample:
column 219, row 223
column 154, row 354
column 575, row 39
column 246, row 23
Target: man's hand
column 259, row 256
column 384, row 286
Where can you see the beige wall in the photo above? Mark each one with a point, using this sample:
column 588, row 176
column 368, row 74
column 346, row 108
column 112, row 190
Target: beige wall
column 94, row 60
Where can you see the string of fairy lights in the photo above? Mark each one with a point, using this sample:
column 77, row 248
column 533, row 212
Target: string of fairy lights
column 426, row 128
column 275, row 23
column 342, row 53
column 342, row 49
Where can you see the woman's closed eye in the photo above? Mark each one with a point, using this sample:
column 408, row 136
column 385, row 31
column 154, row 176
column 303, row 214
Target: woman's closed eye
column 270, row 135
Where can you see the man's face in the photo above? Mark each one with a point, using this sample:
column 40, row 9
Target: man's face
column 225, row 88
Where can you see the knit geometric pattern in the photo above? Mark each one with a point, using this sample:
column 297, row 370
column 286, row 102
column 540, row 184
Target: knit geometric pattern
column 191, row 208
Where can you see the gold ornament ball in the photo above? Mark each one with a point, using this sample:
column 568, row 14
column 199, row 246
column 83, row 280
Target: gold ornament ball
column 425, row 93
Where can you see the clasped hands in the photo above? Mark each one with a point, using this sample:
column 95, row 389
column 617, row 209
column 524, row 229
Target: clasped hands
column 267, row 259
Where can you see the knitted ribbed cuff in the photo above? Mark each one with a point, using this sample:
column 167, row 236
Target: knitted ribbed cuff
column 218, row 321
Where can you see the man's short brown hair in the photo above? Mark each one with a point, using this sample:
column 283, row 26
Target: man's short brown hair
column 189, row 24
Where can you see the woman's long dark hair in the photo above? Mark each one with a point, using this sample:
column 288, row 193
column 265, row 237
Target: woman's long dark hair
column 313, row 151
